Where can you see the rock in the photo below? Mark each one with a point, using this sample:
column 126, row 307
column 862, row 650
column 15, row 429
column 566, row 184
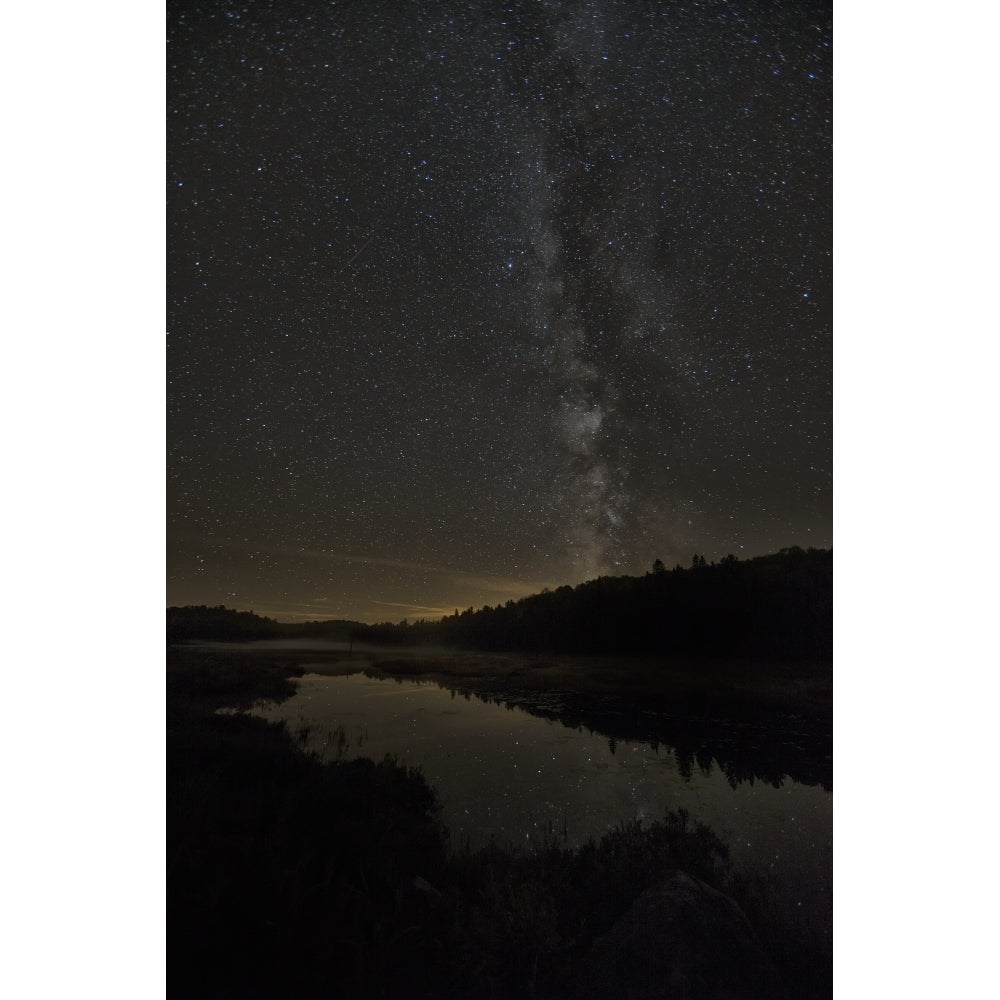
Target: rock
column 681, row 940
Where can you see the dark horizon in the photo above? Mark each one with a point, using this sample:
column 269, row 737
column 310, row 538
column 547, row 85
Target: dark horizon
column 776, row 608
column 409, row 620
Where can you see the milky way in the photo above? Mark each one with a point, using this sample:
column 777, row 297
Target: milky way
column 466, row 299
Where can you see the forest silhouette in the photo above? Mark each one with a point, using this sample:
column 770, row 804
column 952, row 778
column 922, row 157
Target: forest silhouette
column 778, row 606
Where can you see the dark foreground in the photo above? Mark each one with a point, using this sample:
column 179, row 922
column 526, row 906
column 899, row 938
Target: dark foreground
column 288, row 877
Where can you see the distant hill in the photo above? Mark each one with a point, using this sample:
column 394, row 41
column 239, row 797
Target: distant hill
column 220, row 624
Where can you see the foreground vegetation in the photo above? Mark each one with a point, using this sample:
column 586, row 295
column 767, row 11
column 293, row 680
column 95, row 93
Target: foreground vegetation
column 288, row 877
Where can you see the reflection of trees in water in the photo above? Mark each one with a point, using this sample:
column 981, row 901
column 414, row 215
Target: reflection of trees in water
column 768, row 748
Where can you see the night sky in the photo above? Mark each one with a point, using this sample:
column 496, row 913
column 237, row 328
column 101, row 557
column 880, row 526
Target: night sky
column 466, row 299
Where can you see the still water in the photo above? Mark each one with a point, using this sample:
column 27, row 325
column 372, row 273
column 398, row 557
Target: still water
column 504, row 774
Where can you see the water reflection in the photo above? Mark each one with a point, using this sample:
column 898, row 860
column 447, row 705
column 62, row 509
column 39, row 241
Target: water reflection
column 765, row 747
column 517, row 771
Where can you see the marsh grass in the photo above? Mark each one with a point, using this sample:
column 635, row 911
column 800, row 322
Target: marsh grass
column 730, row 685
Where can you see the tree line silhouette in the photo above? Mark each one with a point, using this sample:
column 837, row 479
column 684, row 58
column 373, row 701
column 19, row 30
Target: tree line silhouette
column 778, row 605
column 219, row 624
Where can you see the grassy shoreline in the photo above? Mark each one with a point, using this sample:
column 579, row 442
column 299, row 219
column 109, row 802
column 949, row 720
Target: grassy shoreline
column 659, row 683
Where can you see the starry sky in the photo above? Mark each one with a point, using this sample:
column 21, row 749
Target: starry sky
column 467, row 299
